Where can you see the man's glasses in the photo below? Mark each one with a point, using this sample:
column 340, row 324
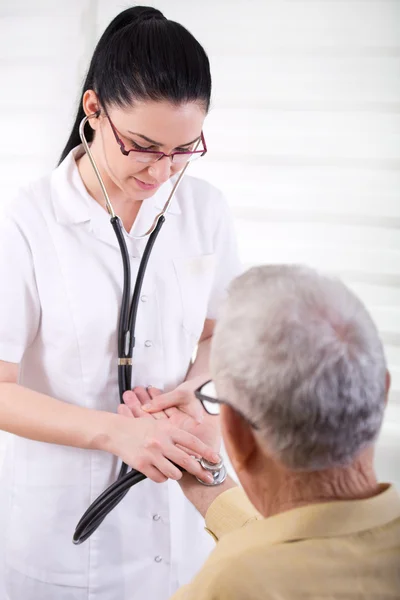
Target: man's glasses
column 149, row 156
column 207, row 395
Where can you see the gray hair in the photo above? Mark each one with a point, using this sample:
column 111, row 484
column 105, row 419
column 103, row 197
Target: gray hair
column 299, row 354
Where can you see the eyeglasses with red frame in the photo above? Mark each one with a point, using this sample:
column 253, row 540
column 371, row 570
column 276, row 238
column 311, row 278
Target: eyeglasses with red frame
column 149, row 156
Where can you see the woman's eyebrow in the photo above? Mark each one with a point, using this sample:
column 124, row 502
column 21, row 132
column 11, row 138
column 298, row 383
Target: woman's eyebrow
column 144, row 137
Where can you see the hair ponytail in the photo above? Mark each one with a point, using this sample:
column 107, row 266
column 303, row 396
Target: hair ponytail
column 142, row 55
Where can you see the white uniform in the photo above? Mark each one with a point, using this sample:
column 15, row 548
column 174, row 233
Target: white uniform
column 61, row 284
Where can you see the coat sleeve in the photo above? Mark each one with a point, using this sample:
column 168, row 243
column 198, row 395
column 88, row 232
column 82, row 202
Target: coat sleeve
column 19, row 301
column 228, row 265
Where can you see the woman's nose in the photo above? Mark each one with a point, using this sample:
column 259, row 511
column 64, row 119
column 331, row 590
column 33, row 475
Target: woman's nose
column 161, row 170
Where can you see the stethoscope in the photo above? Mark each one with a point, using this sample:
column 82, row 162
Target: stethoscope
column 127, row 477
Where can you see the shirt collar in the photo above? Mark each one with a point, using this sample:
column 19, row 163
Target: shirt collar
column 333, row 519
column 73, row 204
column 328, row 519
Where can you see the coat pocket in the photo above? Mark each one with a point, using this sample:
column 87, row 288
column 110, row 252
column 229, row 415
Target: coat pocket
column 195, row 278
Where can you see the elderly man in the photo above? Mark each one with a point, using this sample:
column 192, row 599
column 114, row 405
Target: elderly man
column 302, row 384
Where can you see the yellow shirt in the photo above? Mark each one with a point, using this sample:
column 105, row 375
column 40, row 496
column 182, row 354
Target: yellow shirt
column 337, row 550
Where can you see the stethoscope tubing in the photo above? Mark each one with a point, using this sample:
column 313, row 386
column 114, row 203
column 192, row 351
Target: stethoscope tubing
column 112, row 496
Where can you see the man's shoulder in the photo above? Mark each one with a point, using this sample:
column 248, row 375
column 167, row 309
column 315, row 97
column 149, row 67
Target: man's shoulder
column 243, row 572
column 245, row 565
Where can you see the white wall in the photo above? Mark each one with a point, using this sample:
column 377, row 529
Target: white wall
column 304, row 134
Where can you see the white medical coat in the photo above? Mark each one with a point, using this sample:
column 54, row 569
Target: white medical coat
column 61, row 285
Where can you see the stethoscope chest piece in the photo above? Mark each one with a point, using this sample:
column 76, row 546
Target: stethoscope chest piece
column 217, row 470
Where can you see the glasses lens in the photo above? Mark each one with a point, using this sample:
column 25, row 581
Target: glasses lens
column 185, row 157
column 145, row 157
column 213, row 408
column 208, row 390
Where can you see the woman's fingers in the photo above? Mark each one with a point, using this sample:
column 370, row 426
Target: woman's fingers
column 134, row 399
column 187, row 451
column 125, row 411
column 145, row 396
column 134, row 405
column 189, row 463
column 166, row 467
column 155, row 474
column 194, row 445
column 180, row 398
column 168, row 400
column 158, row 448
column 154, row 393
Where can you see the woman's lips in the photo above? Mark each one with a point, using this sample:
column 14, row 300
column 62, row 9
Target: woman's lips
column 146, row 186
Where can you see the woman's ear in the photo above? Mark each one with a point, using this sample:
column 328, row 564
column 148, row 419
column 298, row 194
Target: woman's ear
column 91, row 106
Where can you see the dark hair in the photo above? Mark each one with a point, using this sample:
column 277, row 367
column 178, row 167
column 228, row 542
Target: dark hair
column 142, row 55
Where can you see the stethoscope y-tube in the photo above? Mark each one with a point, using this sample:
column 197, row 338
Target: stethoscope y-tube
column 109, row 499
column 127, row 319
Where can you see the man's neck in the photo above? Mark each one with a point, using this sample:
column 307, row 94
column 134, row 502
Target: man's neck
column 289, row 490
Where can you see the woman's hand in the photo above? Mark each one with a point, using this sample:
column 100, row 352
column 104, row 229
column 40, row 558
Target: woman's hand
column 180, row 406
column 182, row 397
column 152, row 446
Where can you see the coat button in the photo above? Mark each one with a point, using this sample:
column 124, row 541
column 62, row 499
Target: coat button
column 158, row 559
column 143, row 298
column 156, row 517
column 148, row 343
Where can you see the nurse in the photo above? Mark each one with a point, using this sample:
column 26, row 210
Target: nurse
column 60, row 291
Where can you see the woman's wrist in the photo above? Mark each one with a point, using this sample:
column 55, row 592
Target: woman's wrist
column 102, row 432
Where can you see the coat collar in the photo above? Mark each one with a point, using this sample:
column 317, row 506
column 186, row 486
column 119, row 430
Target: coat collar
column 73, row 204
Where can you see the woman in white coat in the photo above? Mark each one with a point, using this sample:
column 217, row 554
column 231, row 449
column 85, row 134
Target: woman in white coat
column 61, row 279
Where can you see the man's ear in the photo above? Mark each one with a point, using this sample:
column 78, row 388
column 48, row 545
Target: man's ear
column 238, row 438
column 387, row 385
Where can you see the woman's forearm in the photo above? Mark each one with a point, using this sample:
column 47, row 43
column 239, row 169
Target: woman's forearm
column 200, row 367
column 152, row 446
column 36, row 416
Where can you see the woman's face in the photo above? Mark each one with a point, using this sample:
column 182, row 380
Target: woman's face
column 156, row 126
